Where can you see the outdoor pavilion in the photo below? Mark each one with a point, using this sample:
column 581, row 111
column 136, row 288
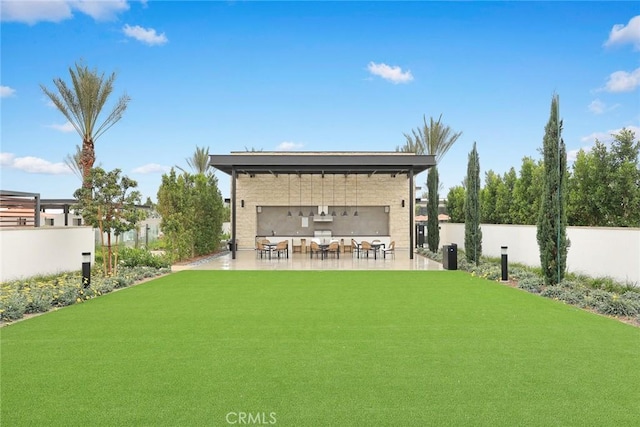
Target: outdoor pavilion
column 253, row 169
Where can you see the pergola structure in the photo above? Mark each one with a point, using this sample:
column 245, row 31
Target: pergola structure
column 321, row 163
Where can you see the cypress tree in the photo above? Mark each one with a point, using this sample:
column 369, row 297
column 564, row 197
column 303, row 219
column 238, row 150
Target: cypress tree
column 552, row 218
column 433, row 227
column 472, row 231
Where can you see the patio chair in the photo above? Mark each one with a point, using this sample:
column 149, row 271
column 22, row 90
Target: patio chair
column 391, row 249
column 334, row 247
column 261, row 249
column 365, row 247
column 314, row 248
column 282, row 248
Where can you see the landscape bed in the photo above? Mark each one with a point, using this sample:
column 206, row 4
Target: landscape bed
column 316, row 348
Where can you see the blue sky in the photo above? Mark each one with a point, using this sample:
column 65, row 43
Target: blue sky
column 311, row 76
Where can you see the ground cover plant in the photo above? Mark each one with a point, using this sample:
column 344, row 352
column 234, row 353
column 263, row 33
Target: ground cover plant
column 43, row 293
column 600, row 294
column 320, row 348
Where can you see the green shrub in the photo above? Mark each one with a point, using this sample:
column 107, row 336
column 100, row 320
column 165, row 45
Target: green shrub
column 39, row 299
column 553, row 292
column 40, row 294
column 531, row 284
column 618, row 306
column 598, row 297
column 12, row 304
column 632, row 296
column 131, row 257
column 575, row 296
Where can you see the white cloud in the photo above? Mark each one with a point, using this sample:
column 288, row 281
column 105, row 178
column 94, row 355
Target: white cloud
column 67, row 127
column 621, row 81
column 151, row 168
column 621, row 34
column 599, row 107
column 6, row 159
column 144, row 35
column 394, row 74
column 572, row 155
column 105, row 10
column 289, row 146
column 6, row 91
column 32, row 12
column 31, row 164
column 607, row 136
column 604, row 137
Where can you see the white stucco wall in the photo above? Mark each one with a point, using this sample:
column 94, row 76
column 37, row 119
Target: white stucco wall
column 595, row 251
column 27, row 252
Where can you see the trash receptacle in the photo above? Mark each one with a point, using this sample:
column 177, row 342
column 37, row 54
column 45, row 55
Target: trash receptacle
column 230, row 243
column 419, row 236
column 450, row 257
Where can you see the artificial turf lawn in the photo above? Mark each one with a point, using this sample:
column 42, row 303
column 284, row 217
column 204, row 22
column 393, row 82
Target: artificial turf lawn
column 320, row 348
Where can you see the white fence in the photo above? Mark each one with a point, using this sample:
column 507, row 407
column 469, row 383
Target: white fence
column 594, row 251
column 27, row 252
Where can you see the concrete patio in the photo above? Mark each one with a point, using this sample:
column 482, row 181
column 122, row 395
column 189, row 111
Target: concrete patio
column 247, row 260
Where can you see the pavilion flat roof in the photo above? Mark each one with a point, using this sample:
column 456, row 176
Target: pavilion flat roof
column 321, row 162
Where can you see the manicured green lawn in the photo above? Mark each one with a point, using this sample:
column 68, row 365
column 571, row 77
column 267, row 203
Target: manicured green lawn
column 339, row 348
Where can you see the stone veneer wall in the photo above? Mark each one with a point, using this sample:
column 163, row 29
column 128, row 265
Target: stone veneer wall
column 271, row 190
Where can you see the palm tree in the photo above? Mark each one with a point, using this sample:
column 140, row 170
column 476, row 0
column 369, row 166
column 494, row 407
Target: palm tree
column 74, row 162
column 434, row 138
column 199, row 161
column 81, row 103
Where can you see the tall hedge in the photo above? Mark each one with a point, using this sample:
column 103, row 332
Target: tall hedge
column 552, row 218
column 472, row 231
column 433, row 226
column 192, row 214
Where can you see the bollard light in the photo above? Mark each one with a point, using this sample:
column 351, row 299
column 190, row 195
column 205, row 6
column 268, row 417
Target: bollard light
column 505, row 268
column 86, row 269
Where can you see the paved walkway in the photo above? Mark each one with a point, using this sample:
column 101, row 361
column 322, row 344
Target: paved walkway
column 247, row 260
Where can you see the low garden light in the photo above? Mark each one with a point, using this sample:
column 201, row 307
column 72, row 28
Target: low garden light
column 505, row 267
column 86, row 269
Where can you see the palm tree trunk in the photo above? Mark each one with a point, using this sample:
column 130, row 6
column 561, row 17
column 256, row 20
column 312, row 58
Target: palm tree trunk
column 88, row 158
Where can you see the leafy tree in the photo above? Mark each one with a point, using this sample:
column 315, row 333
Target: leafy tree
column 110, row 206
column 604, row 187
column 208, row 212
column 527, row 192
column 489, row 197
column 625, row 185
column 472, row 231
column 589, row 199
column 82, row 104
column 552, row 219
column 434, row 138
column 455, row 203
column 504, row 197
column 192, row 213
